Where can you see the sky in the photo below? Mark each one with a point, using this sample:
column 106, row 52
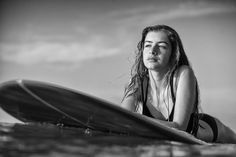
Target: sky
column 89, row 45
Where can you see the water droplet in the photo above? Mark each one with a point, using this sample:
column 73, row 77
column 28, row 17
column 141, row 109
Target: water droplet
column 88, row 132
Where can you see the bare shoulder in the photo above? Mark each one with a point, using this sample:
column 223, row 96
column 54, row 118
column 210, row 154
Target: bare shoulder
column 184, row 75
column 185, row 72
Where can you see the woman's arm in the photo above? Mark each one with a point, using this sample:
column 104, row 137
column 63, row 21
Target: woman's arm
column 129, row 103
column 185, row 97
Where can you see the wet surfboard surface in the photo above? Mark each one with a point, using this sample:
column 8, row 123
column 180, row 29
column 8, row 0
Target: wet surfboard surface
column 35, row 101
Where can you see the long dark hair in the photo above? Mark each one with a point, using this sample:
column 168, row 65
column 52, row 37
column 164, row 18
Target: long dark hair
column 139, row 72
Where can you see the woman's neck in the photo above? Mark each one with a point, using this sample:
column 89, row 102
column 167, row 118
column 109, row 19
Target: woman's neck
column 157, row 76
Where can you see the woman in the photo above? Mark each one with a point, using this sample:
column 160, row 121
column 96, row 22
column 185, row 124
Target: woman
column 163, row 87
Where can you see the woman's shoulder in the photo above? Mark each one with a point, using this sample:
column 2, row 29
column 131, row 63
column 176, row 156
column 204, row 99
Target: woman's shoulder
column 184, row 71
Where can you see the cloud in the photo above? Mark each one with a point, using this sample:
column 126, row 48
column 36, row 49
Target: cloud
column 155, row 13
column 53, row 52
column 100, row 36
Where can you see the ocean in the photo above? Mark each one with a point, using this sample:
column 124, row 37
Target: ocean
column 37, row 139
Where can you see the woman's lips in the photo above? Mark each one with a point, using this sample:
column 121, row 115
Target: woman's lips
column 152, row 59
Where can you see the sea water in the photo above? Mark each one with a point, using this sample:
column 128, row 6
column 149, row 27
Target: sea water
column 35, row 140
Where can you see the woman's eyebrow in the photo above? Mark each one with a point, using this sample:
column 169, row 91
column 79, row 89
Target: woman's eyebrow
column 159, row 42
column 147, row 41
column 164, row 42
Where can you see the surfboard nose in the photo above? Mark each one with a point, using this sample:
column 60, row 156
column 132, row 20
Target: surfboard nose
column 8, row 96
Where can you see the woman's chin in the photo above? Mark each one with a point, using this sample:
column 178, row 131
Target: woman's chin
column 153, row 67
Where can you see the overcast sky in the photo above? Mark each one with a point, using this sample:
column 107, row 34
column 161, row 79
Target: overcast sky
column 89, row 45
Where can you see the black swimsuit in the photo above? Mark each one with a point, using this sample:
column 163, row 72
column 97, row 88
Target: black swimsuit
column 193, row 123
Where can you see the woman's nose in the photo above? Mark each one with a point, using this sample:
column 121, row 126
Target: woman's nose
column 154, row 50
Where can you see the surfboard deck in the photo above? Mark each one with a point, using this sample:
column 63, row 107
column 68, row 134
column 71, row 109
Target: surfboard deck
column 35, row 101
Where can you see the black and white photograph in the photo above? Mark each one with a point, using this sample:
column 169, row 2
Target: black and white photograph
column 117, row 78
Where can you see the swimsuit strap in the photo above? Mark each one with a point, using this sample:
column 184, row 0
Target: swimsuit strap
column 144, row 92
column 172, row 96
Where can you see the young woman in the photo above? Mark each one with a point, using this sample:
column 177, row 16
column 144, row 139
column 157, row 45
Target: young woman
column 163, row 87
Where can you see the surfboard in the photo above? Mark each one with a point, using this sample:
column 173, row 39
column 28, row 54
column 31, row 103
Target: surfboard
column 35, row 101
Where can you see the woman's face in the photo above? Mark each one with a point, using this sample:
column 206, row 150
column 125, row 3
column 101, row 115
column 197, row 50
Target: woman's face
column 157, row 50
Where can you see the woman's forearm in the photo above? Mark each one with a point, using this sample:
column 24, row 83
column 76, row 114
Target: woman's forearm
column 167, row 123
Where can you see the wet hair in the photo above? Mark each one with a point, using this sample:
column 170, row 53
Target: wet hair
column 139, row 72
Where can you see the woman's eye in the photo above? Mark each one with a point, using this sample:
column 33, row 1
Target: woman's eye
column 147, row 45
column 163, row 47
